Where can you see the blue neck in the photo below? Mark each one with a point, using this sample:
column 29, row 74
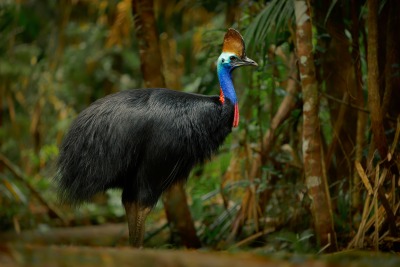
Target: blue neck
column 226, row 83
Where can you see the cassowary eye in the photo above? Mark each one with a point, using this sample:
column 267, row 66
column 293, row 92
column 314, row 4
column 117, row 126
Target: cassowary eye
column 232, row 58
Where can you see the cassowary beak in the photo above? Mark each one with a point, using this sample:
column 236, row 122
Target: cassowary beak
column 245, row 61
column 250, row 62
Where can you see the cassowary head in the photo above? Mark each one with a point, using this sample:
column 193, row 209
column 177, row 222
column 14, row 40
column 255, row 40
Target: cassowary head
column 233, row 52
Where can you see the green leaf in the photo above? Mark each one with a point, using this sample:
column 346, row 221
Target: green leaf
column 271, row 24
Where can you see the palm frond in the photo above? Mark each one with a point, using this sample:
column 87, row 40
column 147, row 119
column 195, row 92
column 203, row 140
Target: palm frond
column 271, row 24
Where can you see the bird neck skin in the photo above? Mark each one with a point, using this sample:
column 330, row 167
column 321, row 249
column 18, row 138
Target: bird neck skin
column 226, row 84
column 228, row 91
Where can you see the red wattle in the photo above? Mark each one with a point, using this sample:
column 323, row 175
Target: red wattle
column 236, row 116
column 221, row 96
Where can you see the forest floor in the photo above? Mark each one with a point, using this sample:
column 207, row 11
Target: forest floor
column 103, row 245
column 36, row 255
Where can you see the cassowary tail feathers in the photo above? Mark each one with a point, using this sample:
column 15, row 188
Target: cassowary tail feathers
column 71, row 194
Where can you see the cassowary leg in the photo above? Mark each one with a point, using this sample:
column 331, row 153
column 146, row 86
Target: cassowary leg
column 136, row 215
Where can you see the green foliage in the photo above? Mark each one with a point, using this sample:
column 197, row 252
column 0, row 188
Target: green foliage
column 292, row 242
column 271, row 25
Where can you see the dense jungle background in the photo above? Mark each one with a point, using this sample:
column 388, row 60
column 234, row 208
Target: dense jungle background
column 312, row 168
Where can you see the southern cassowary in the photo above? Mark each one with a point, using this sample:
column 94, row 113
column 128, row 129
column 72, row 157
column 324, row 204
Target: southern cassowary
column 143, row 141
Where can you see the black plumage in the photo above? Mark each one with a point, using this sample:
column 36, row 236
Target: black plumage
column 123, row 139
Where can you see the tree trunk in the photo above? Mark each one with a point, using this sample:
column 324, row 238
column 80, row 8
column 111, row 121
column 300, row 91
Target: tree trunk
column 374, row 98
column 361, row 116
column 312, row 156
column 391, row 96
column 179, row 217
column 149, row 48
column 174, row 199
column 374, row 104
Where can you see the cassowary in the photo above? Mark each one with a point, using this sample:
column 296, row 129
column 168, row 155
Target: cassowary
column 144, row 140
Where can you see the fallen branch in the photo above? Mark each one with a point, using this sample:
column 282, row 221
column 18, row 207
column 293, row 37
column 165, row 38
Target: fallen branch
column 98, row 235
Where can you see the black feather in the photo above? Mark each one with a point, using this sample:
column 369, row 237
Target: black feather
column 141, row 141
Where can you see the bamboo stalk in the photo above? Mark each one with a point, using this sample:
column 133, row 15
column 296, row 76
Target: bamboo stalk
column 364, row 178
column 376, row 232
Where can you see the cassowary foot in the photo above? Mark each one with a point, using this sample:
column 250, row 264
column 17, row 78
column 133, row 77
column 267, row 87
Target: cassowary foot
column 136, row 216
